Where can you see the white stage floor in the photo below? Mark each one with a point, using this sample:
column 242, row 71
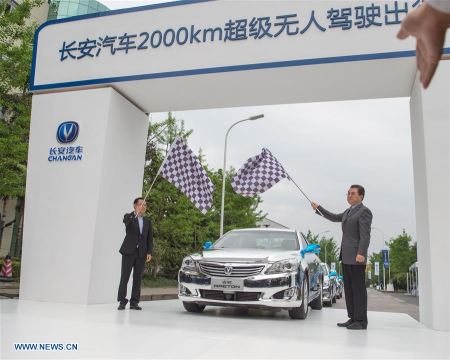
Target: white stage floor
column 163, row 329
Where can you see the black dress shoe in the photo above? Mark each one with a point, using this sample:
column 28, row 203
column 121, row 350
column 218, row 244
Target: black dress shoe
column 346, row 324
column 357, row 326
column 121, row 307
column 135, row 307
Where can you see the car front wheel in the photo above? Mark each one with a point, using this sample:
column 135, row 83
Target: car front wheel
column 317, row 303
column 193, row 307
column 301, row 312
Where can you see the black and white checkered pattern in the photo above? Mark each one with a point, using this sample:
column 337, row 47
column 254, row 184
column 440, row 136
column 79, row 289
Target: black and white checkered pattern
column 258, row 174
column 182, row 168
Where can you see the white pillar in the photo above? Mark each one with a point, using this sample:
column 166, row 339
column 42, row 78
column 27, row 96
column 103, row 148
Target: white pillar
column 74, row 209
column 430, row 120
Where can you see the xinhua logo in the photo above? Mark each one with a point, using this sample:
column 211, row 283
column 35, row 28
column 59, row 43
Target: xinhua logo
column 67, row 132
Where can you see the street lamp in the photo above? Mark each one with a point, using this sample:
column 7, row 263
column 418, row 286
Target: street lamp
column 381, row 234
column 255, row 117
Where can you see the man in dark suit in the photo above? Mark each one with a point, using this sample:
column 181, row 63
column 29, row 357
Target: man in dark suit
column 136, row 250
column 356, row 225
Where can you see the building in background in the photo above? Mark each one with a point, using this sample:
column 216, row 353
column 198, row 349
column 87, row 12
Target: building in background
column 61, row 9
column 267, row 223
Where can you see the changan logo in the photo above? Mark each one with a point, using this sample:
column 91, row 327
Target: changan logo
column 67, row 132
column 228, row 270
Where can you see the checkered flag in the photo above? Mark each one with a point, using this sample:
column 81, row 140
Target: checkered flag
column 258, row 174
column 182, row 168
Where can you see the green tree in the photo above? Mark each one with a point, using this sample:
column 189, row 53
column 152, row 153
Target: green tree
column 332, row 252
column 402, row 253
column 16, row 50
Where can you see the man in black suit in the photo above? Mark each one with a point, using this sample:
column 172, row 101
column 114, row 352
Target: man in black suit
column 136, row 250
column 356, row 225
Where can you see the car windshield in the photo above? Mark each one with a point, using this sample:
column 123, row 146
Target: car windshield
column 280, row 240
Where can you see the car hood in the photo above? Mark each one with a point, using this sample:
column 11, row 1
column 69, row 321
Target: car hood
column 246, row 255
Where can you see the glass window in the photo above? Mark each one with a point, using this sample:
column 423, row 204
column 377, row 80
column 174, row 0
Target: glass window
column 257, row 239
column 303, row 241
column 93, row 4
column 62, row 9
column 82, row 9
column 10, row 6
column 73, row 9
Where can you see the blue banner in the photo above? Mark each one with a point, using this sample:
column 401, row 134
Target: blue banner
column 385, row 257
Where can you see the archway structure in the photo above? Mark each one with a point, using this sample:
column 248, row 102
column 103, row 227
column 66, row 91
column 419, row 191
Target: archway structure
column 102, row 73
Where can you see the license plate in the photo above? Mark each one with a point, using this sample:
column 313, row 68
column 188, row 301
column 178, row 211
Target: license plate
column 227, row 284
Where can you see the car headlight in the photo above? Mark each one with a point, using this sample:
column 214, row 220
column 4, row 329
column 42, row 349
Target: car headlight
column 285, row 266
column 188, row 264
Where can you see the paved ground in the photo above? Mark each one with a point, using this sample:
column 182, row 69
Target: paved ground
column 164, row 330
column 388, row 302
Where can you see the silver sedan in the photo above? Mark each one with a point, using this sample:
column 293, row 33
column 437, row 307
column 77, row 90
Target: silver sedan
column 254, row 268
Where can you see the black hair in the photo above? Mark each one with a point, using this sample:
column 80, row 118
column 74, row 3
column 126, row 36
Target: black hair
column 360, row 189
column 137, row 200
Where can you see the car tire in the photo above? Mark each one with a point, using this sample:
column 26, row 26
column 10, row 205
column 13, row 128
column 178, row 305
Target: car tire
column 193, row 307
column 333, row 300
column 301, row 312
column 317, row 303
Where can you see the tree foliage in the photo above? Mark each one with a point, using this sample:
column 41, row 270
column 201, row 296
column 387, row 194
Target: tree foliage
column 402, row 254
column 16, row 50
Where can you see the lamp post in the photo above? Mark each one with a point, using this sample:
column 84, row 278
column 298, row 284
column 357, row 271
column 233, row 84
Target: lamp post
column 384, row 276
column 255, row 117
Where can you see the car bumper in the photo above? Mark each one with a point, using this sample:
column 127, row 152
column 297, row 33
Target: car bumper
column 279, row 291
column 327, row 293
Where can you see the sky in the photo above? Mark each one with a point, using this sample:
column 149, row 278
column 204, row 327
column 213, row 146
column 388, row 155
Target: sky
column 325, row 148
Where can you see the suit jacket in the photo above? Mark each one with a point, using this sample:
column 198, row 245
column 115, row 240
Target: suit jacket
column 134, row 238
column 355, row 232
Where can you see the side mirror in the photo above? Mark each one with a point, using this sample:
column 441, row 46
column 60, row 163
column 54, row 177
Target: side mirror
column 311, row 248
column 207, row 245
column 333, row 273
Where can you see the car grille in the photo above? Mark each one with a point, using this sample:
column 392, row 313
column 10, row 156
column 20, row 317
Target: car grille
column 237, row 296
column 216, row 269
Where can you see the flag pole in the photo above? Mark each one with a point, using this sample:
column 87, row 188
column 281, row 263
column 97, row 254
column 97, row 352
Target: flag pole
column 145, row 198
column 303, row 193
